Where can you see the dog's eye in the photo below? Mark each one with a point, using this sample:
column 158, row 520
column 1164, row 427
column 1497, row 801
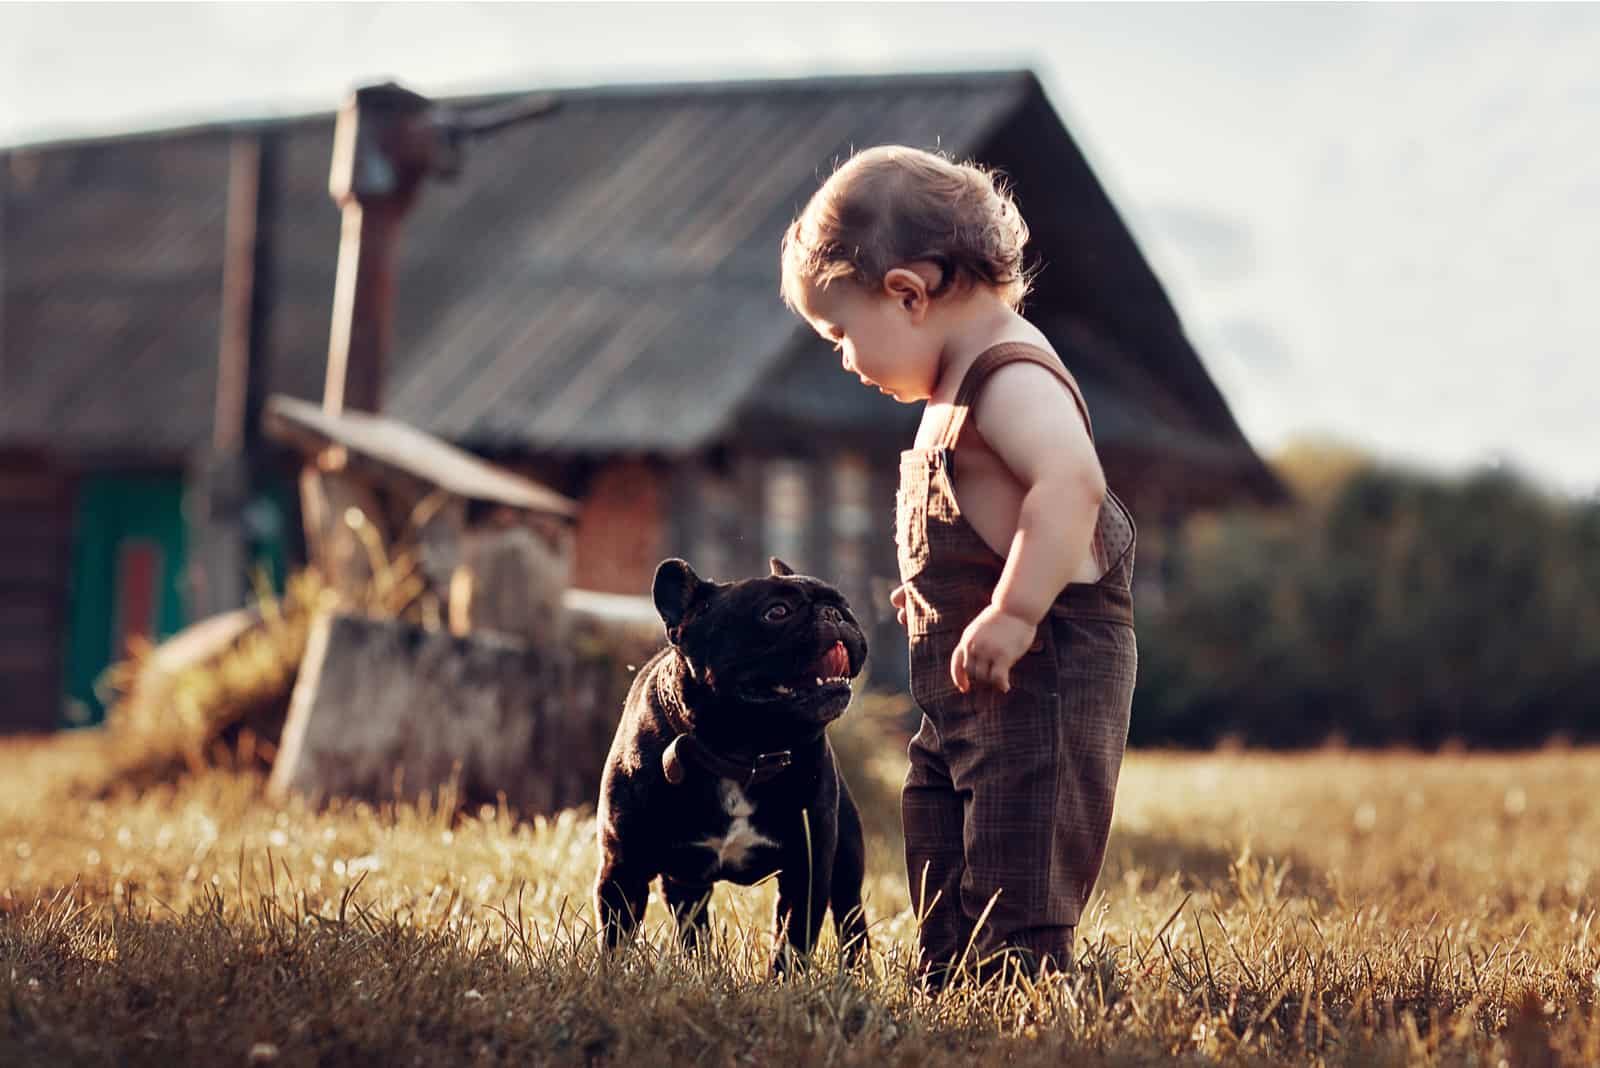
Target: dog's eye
column 776, row 612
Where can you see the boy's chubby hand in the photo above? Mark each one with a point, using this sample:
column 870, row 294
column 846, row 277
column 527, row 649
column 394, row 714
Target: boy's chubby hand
column 990, row 645
column 898, row 599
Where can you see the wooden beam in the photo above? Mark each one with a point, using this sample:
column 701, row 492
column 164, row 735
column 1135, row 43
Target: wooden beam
column 388, row 448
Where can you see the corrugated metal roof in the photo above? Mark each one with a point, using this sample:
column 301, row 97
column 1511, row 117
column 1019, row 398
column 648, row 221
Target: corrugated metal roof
column 622, row 293
column 602, row 279
column 112, row 285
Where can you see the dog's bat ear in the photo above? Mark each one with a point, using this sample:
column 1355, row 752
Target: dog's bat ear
column 674, row 589
column 779, row 568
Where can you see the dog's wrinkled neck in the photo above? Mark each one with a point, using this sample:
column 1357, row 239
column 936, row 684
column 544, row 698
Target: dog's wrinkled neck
column 678, row 690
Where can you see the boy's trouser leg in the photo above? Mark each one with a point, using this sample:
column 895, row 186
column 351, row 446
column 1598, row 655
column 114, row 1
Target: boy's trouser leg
column 1040, row 767
column 1044, row 947
column 933, row 816
column 1006, row 757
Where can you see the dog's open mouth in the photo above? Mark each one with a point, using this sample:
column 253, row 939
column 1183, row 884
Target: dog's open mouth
column 831, row 670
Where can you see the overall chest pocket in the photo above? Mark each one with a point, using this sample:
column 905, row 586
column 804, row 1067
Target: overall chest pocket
column 911, row 517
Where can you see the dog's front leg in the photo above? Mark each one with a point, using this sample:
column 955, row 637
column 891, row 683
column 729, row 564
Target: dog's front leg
column 621, row 893
column 802, row 906
column 690, row 906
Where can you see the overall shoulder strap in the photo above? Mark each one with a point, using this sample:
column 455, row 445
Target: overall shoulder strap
column 991, row 360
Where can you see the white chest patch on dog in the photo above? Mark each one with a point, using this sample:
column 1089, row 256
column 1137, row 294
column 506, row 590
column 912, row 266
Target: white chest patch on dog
column 733, row 848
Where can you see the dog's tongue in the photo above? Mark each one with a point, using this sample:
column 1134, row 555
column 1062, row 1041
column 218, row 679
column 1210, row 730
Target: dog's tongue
column 836, row 662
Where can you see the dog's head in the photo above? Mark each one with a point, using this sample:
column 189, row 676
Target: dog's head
column 777, row 652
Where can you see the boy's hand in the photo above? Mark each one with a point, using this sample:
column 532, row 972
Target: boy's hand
column 898, row 599
column 989, row 647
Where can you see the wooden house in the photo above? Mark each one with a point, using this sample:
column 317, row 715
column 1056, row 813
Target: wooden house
column 593, row 302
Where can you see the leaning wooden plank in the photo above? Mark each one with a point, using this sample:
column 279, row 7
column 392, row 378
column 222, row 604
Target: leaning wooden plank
column 387, row 445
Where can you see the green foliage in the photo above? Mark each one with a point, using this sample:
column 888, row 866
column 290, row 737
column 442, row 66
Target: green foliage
column 1400, row 610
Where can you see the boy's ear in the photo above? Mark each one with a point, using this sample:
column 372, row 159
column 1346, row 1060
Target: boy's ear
column 909, row 289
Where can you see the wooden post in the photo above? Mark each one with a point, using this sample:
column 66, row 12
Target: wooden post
column 225, row 476
column 386, row 141
column 744, row 553
column 819, row 514
column 382, row 148
column 247, row 292
column 889, row 663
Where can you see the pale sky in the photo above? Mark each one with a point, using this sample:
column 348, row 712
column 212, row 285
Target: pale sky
column 1379, row 223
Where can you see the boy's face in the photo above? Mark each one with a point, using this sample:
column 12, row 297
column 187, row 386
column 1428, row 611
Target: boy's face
column 878, row 339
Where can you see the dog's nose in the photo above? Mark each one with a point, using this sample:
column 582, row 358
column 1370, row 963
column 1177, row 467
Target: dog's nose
column 831, row 614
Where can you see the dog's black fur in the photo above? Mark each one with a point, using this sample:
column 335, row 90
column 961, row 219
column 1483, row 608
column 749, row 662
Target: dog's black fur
column 739, row 679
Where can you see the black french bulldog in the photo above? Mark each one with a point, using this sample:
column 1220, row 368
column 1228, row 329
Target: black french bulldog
column 721, row 767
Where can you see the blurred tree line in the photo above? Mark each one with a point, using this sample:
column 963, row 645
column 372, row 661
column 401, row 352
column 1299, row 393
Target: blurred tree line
column 1387, row 608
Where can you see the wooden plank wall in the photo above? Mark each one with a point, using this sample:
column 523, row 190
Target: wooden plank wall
column 35, row 551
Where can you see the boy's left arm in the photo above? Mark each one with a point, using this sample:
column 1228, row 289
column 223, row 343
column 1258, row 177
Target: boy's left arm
column 1020, row 415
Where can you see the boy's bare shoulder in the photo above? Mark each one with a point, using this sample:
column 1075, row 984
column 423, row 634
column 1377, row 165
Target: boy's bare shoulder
column 1022, row 385
column 1028, row 416
column 1022, row 388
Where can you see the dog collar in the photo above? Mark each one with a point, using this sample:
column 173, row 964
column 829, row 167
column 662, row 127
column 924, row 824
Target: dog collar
column 686, row 748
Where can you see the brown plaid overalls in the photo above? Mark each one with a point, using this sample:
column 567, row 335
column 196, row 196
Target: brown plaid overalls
column 1008, row 793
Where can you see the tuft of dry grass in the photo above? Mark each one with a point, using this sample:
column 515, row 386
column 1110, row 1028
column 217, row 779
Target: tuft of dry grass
column 174, row 711
column 1323, row 908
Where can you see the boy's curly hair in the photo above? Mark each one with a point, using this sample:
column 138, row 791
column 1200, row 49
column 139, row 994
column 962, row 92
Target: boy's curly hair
column 890, row 206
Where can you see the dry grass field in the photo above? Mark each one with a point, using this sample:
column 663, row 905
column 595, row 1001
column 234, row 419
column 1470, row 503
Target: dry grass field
column 1330, row 908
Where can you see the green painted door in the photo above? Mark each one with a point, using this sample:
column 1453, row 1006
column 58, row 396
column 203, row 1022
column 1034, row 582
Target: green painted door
column 127, row 573
column 267, row 526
